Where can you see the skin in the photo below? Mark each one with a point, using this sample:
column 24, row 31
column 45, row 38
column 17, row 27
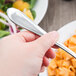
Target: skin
column 26, row 54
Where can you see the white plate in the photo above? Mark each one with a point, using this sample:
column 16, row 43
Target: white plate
column 65, row 32
column 41, row 9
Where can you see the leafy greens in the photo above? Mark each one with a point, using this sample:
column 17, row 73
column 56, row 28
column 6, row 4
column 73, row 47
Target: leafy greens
column 3, row 33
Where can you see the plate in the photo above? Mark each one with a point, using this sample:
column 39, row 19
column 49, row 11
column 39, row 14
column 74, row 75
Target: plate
column 41, row 9
column 65, row 32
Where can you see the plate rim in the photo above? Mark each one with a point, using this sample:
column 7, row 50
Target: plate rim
column 37, row 22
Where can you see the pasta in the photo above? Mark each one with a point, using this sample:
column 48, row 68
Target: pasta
column 64, row 64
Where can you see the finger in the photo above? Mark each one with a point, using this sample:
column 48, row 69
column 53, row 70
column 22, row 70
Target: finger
column 27, row 36
column 56, row 47
column 50, row 54
column 45, row 61
column 42, row 69
column 46, row 41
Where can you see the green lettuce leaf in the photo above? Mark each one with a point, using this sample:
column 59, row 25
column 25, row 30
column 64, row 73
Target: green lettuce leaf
column 2, row 26
column 26, row 0
column 33, row 13
column 6, row 6
column 2, row 1
column 4, row 33
column 33, row 2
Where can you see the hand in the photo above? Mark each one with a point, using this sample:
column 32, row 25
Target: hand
column 26, row 54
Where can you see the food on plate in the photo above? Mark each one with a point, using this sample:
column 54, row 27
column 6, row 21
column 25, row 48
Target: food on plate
column 64, row 64
column 28, row 13
column 3, row 33
column 26, row 6
column 1, row 11
column 21, row 5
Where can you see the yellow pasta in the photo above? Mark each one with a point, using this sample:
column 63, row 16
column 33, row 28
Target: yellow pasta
column 71, row 68
column 64, row 64
column 72, row 73
column 53, row 64
column 62, row 72
column 74, row 63
column 51, row 72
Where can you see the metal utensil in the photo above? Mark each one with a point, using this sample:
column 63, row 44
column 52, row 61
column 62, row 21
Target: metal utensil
column 23, row 21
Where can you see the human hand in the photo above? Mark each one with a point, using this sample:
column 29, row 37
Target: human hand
column 26, row 54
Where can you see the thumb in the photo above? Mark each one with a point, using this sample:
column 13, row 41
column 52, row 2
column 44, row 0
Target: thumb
column 46, row 41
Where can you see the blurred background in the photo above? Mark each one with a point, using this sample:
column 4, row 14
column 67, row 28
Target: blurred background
column 60, row 12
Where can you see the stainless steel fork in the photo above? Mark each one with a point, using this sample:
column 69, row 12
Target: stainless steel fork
column 23, row 21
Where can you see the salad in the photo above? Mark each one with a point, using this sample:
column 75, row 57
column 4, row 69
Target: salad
column 26, row 6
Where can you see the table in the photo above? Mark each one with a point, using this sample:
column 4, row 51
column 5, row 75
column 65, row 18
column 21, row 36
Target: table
column 59, row 13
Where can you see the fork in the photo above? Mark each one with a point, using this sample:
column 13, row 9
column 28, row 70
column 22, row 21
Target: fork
column 23, row 21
